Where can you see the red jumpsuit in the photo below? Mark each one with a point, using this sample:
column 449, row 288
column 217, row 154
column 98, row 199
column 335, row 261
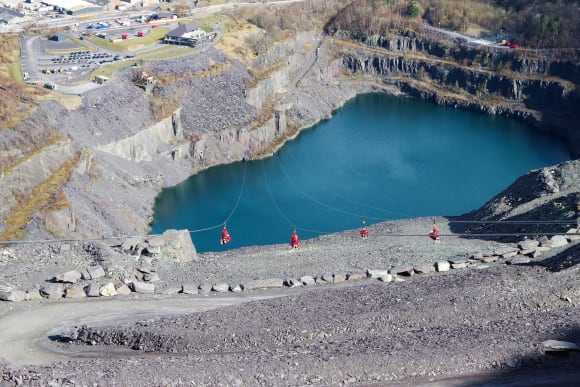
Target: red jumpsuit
column 435, row 233
column 226, row 238
column 294, row 241
column 364, row 233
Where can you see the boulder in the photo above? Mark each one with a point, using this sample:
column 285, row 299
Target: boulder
column 519, row 260
column 85, row 275
column 544, row 241
column 75, row 293
column 528, row 252
column 178, row 246
column 385, row 278
column 489, row 259
column 424, row 268
column 123, row 290
column 359, row 276
column 32, row 294
column 52, row 291
column 143, row 287
column 477, row 256
column 370, row 273
column 528, row 244
column 573, row 235
column 152, row 250
column 459, row 265
column 307, row 280
column 235, row 288
column 339, row 278
column 156, row 241
column 108, row 290
column 220, row 287
column 558, row 346
column 204, row 288
column 71, row 277
column 13, row 295
column 558, row 241
column 168, row 289
column 510, row 254
column 292, row 282
column 539, row 251
column 324, row 279
column 505, row 250
column 189, row 289
column 130, row 245
column 405, row 270
column 151, row 277
column 269, row 283
column 93, row 290
column 442, row 266
column 96, row 272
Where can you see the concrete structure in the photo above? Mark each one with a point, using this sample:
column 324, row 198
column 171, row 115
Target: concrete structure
column 73, row 7
column 11, row 16
column 186, row 35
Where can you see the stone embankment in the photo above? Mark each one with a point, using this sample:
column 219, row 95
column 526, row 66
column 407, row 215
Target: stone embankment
column 143, row 278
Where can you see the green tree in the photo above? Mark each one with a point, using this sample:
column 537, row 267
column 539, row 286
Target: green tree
column 413, row 9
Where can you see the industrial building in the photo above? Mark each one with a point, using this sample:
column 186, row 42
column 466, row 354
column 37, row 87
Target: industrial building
column 73, row 7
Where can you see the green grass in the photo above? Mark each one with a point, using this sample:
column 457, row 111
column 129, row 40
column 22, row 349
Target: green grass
column 207, row 23
column 127, row 45
column 167, row 52
column 14, row 72
column 110, row 69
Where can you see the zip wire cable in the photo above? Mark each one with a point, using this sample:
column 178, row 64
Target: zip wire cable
column 239, row 196
column 272, row 196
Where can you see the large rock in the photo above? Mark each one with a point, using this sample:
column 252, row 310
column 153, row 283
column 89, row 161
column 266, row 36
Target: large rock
column 424, row 268
column 324, row 279
column 573, row 235
column 559, row 346
column 220, row 287
column 519, row 260
column 96, row 271
column 156, row 241
column 143, row 287
column 307, row 280
column 189, row 289
column 52, row 291
column 179, row 246
column 108, row 290
column 75, row 293
column 235, row 288
column 292, row 283
column 32, row 294
column 528, row 244
column 406, row 270
column 360, row 276
column 71, row 277
column 386, row 278
column 93, row 290
column 442, row 266
column 503, row 251
column 123, row 290
column 13, row 296
column 204, row 288
column 339, row 278
column 131, row 245
column 558, row 241
column 269, row 283
column 370, row 273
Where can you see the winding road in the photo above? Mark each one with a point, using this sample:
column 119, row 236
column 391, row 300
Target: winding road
column 25, row 334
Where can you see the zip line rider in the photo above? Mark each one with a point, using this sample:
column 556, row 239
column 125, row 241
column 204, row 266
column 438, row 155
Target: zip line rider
column 364, row 233
column 294, row 241
column 226, row 238
column 434, row 234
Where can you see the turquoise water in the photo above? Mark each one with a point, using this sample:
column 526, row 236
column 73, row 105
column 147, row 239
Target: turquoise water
column 379, row 156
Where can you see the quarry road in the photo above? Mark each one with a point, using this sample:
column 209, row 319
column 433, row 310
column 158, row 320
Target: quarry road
column 25, row 334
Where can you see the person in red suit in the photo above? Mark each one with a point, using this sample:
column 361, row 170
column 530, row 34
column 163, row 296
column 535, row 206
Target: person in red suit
column 226, row 238
column 434, row 234
column 294, row 241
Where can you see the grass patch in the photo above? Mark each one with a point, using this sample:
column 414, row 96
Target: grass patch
column 214, row 69
column 43, row 195
column 110, row 69
column 233, row 41
column 127, row 45
column 169, row 51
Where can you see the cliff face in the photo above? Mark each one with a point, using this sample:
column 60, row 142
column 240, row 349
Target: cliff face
column 545, row 102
